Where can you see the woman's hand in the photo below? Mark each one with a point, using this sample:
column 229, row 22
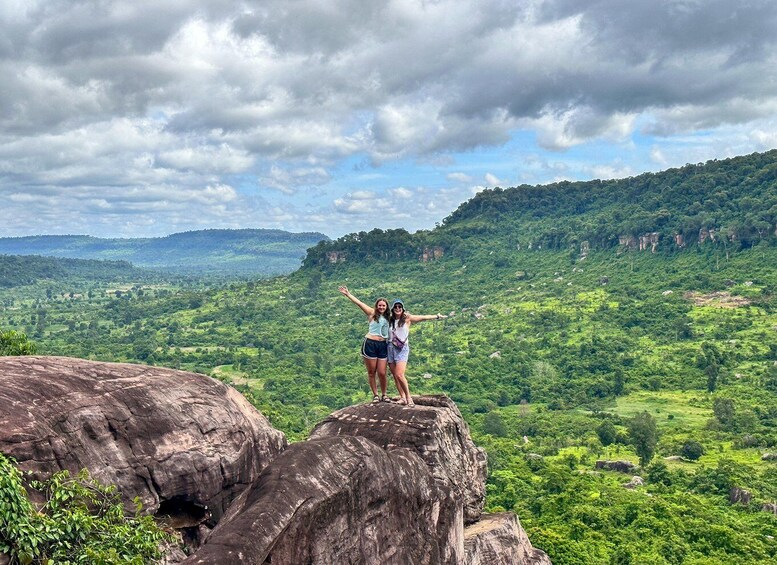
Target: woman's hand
column 343, row 290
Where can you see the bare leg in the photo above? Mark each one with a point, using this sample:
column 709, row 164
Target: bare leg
column 393, row 367
column 398, row 370
column 372, row 366
column 380, row 369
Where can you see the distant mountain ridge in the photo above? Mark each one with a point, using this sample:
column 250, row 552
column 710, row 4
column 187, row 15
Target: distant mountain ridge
column 242, row 251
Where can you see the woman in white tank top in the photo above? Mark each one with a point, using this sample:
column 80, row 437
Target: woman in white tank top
column 399, row 348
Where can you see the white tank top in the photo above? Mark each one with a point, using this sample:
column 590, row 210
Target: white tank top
column 402, row 332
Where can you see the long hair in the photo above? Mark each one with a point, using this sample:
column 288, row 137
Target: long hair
column 375, row 314
column 400, row 320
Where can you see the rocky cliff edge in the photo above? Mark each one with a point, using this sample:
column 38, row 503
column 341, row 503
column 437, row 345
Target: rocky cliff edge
column 375, row 483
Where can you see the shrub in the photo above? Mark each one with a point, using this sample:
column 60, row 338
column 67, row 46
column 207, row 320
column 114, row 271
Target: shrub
column 692, row 450
column 81, row 521
column 15, row 343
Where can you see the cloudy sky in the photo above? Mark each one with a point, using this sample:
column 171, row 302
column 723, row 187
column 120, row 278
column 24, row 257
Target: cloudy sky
column 147, row 117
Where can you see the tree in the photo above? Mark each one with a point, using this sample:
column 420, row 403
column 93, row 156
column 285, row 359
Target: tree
column 494, row 425
column 711, row 359
column 770, row 380
column 724, row 411
column 692, row 450
column 15, row 343
column 607, row 433
column 643, row 434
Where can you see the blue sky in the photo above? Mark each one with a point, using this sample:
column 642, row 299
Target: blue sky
column 147, row 118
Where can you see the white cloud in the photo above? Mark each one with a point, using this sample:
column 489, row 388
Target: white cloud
column 492, row 180
column 119, row 103
column 289, row 180
column 459, row 177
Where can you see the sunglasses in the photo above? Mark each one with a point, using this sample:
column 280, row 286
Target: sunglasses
column 399, row 306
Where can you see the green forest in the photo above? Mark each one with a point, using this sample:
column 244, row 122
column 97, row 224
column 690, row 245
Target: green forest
column 566, row 344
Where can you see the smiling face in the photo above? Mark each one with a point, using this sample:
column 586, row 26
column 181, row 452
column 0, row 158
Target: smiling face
column 381, row 306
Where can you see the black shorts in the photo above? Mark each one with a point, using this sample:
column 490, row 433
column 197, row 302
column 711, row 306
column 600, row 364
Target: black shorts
column 374, row 349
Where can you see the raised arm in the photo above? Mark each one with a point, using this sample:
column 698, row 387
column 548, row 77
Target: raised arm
column 366, row 309
column 423, row 318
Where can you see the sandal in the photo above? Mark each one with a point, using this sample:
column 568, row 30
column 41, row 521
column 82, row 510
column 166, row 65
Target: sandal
column 375, row 398
column 403, row 402
column 385, row 398
column 411, row 403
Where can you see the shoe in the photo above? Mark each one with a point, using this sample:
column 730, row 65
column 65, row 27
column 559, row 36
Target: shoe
column 375, row 399
column 385, row 398
column 403, row 402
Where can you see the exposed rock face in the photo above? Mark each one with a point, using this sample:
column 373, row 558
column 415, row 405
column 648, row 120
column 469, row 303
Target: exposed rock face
column 433, row 428
column 340, row 500
column 620, row 466
column 431, row 253
column 335, row 256
column 738, row 495
column 705, row 234
column 184, row 443
column 649, row 241
column 636, row 481
column 499, row 539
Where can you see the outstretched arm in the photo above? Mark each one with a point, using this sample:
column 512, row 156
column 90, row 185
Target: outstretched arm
column 345, row 292
column 413, row 318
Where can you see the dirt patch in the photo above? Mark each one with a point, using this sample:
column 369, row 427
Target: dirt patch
column 721, row 299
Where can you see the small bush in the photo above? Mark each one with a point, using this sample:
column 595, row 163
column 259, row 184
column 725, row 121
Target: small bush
column 692, row 450
column 81, row 521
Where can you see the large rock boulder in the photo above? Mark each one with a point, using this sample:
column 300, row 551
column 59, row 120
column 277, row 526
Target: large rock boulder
column 499, row 539
column 340, row 500
column 433, row 428
column 619, row 466
column 184, row 443
column 737, row 495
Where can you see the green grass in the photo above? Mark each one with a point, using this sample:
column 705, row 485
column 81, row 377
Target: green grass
column 671, row 409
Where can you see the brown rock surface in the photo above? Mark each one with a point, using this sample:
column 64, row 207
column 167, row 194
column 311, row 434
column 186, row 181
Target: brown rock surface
column 433, row 428
column 619, row 466
column 499, row 539
column 182, row 442
column 340, row 500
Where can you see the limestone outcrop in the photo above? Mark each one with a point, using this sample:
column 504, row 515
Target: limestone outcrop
column 184, row 443
column 499, row 539
column 434, row 429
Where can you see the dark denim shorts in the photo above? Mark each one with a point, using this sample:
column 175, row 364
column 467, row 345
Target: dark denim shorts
column 373, row 349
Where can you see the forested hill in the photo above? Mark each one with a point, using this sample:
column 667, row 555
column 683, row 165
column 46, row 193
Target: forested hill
column 16, row 270
column 247, row 251
column 733, row 200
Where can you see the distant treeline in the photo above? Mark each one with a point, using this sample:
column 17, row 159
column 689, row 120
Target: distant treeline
column 19, row 270
column 735, row 200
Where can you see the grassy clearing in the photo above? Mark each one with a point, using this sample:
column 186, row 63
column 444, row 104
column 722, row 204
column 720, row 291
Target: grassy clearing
column 671, row 409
